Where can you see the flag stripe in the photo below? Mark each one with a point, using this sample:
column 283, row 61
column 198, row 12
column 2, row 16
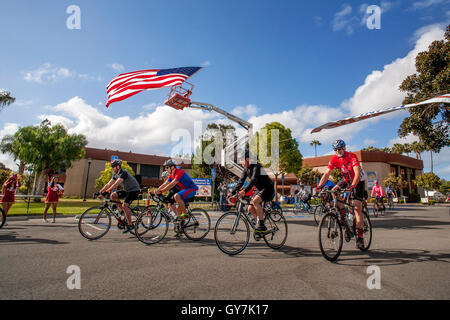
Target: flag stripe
column 128, row 84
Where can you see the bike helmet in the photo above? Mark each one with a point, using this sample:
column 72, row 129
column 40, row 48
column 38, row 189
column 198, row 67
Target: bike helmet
column 338, row 144
column 116, row 162
column 169, row 163
column 165, row 174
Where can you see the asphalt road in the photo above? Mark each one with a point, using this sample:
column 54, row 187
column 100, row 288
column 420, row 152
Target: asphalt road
column 411, row 247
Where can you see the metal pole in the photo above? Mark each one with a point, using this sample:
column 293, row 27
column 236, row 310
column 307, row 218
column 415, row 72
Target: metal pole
column 87, row 178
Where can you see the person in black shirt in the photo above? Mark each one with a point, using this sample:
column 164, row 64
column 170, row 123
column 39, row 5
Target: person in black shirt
column 262, row 182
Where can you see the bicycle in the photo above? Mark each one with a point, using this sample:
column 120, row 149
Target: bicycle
column 151, row 226
column 301, row 206
column 378, row 208
column 390, row 202
column 232, row 231
column 323, row 206
column 3, row 218
column 332, row 223
column 95, row 222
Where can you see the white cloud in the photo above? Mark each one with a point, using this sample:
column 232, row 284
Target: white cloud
column 206, row 63
column 49, row 73
column 408, row 139
column 369, row 142
column 380, row 88
column 117, row 67
column 140, row 134
column 249, row 110
column 423, row 4
column 7, row 159
column 344, row 20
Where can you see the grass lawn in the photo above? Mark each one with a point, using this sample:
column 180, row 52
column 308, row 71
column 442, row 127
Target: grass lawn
column 68, row 207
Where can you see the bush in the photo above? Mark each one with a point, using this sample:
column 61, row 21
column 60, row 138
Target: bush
column 432, row 202
column 414, row 198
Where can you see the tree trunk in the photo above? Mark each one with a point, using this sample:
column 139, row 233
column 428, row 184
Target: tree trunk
column 39, row 183
column 315, row 150
column 21, row 167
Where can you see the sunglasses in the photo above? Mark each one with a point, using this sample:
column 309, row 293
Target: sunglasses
column 339, row 149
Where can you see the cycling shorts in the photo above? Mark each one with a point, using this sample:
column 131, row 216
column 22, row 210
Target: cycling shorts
column 265, row 194
column 131, row 196
column 358, row 191
column 187, row 194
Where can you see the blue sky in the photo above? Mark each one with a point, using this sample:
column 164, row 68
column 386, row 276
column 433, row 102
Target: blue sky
column 302, row 63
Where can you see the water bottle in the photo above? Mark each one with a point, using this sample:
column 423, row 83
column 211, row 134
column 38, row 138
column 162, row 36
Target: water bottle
column 349, row 219
column 172, row 214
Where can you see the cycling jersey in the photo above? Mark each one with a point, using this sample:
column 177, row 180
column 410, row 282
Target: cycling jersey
column 378, row 190
column 389, row 191
column 183, row 180
column 257, row 177
column 130, row 184
column 346, row 164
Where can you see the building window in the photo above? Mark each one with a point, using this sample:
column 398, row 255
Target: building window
column 148, row 171
column 133, row 166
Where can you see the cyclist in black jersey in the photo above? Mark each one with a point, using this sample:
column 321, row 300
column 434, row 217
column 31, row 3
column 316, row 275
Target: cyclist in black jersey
column 262, row 182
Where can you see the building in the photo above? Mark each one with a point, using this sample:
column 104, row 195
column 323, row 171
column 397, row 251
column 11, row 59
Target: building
column 148, row 169
column 376, row 164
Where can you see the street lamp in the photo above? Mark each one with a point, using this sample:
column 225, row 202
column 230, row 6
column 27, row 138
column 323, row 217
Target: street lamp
column 87, row 178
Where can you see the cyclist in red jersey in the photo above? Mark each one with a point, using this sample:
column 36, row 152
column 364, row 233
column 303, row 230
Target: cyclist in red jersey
column 349, row 166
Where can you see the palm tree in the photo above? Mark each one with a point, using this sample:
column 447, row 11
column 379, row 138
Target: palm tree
column 418, row 148
column 315, row 143
column 5, row 99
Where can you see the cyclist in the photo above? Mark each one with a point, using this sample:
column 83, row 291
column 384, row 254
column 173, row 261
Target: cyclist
column 390, row 193
column 378, row 190
column 265, row 189
column 354, row 178
column 131, row 188
column 185, row 188
column 304, row 196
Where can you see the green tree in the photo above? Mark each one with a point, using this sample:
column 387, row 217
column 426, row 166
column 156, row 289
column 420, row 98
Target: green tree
column 46, row 146
column 429, row 123
column 396, row 183
column 106, row 175
column 418, row 148
column 214, row 137
column 429, row 181
column 289, row 159
column 315, row 143
column 308, row 176
column 4, row 175
column 5, row 99
column 445, row 187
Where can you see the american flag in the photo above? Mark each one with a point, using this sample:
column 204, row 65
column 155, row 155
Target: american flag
column 126, row 85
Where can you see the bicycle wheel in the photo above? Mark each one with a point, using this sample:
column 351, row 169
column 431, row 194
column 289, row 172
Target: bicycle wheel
column 375, row 210
column 151, row 226
column 277, row 232
column 367, row 231
column 94, row 223
column 318, row 213
column 2, row 217
column 232, row 233
column 330, row 236
column 198, row 224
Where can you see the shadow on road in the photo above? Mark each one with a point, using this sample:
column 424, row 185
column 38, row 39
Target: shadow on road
column 391, row 257
column 404, row 223
column 12, row 238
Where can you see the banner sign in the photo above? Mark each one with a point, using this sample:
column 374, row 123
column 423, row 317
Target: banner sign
column 204, row 187
column 439, row 99
column 371, row 177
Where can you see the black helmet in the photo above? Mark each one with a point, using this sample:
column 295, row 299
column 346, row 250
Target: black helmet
column 116, row 162
column 169, row 163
